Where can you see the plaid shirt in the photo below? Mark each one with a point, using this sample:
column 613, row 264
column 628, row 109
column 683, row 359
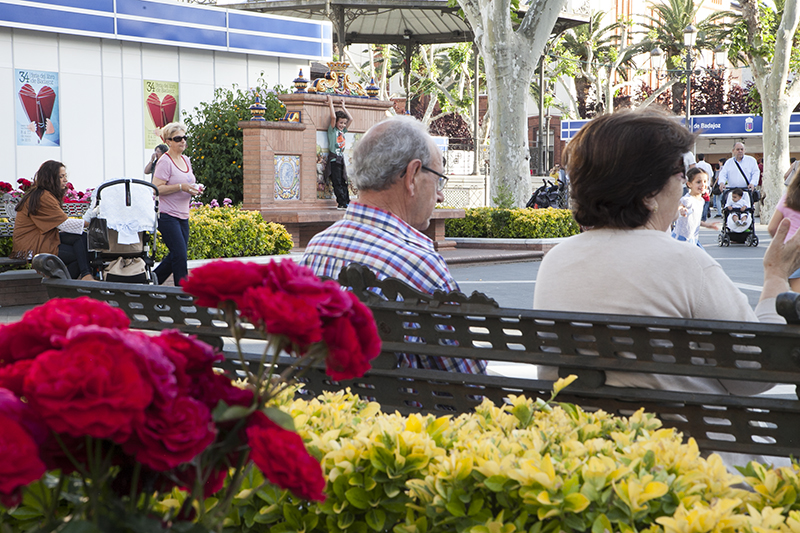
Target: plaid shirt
column 392, row 249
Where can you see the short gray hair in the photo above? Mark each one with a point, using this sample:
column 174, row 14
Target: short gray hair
column 383, row 153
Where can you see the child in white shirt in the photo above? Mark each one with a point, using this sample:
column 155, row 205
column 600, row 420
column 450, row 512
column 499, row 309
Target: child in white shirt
column 738, row 204
column 690, row 211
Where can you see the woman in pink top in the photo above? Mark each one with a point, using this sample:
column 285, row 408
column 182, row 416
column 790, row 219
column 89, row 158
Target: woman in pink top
column 789, row 207
column 176, row 185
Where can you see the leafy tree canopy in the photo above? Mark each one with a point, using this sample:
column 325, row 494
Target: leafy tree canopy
column 215, row 139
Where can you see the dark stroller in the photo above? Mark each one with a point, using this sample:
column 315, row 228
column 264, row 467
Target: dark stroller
column 129, row 208
column 548, row 195
column 738, row 233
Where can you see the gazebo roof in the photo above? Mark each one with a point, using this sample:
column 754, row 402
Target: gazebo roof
column 399, row 22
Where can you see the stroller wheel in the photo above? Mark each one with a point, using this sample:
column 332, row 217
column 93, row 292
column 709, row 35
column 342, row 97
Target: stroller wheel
column 726, row 240
column 755, row 240
column 720, row 238
column 752, row 240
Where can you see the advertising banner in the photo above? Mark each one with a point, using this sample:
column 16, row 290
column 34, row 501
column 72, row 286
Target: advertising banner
column 37, row 116
column 160, row 108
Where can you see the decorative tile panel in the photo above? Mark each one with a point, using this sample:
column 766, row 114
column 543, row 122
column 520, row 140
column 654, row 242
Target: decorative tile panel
column 287, row 177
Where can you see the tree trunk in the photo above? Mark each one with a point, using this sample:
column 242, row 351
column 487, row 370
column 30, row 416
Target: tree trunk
column 509, row 155
column 510, row 58
column 678, row 93
column 777, row 100
column 582, row 87
column 775, row 112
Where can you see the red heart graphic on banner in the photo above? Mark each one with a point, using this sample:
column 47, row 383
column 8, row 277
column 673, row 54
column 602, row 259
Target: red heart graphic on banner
column 38, row 107
column 162, row 113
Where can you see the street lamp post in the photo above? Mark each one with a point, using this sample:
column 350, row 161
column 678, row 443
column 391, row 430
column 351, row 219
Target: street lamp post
column 689, row 37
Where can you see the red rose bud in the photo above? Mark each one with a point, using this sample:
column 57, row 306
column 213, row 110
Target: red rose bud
column 283, row 458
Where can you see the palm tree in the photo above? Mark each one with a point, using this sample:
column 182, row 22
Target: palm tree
column 666, row 28
column 586, row 43
column 599, row 52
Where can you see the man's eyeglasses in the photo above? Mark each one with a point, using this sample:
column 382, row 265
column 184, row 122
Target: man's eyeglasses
column 179, row 138
column 442, row 183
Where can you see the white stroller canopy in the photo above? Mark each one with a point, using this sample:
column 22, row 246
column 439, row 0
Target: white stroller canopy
column 127, row 220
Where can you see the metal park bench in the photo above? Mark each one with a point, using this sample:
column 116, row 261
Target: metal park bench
column 588, row 345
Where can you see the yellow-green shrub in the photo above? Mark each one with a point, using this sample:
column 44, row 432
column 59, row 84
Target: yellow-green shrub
column 524, row 467
column 231, row 232
column 497, row 223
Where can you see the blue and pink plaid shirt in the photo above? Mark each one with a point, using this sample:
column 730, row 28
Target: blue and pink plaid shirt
column 392, row 249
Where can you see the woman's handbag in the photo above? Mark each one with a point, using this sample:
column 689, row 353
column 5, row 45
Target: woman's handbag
column 97, row 235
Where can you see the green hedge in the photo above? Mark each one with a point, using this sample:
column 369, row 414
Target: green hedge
column 497, row 223
column 231, row 232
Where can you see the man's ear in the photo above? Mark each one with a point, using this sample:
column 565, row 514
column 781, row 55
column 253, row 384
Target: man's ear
column 409, row 182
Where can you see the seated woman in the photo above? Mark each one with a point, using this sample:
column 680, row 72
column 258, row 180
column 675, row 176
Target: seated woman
column 627, row 177
column 42, row 226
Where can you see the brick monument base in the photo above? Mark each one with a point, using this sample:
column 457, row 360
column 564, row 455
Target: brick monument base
column 281, row 178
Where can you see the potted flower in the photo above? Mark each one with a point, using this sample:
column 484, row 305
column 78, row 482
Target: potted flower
column 99, row 420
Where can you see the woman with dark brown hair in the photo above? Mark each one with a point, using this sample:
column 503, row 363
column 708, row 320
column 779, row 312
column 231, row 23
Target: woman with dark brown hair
column 789, row 208
column 627, row 176
column 42, row 226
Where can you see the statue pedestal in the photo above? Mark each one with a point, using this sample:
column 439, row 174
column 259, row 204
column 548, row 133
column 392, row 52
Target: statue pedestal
column 281, row 178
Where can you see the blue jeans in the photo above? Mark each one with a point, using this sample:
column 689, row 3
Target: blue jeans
column 175, row 234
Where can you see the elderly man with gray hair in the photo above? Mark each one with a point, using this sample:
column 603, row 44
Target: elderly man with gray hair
column 397, row 169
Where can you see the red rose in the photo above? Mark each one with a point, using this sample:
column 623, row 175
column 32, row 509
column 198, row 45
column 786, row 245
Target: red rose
column 19, row 461
column 211, row 387
column 5, row 187
column 42, row 327
column 21, row 412
column 219, row 281
column 345, row 360
column 199, row 357
column 172, row 435
column 56, row 316
column 155, row 367
column 282, row 314
column 352, row 341
column 92, row 386
column 20, row 340
column 12, row 376
column 277, row 275
column 364, row 323
column 283, row 458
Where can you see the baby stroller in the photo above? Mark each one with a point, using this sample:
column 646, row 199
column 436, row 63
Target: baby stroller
column 738, row 233
column 548, row 195
column 126, row 221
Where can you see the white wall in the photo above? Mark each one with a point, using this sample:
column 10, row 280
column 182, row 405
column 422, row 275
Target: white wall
column 101, row 97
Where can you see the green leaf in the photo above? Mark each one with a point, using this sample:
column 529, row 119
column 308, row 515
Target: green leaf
column 602, row 525
column 80, row 526
column 456, row 508
column 376, row 519
column 358, row 498
column 345, row 520
column 495, row 483
column 280, row 417
column 223, row 413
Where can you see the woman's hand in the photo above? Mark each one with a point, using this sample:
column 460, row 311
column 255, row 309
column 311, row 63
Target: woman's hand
column 782, row 258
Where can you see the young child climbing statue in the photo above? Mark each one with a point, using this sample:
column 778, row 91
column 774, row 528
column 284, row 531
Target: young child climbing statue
column 690, row 211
